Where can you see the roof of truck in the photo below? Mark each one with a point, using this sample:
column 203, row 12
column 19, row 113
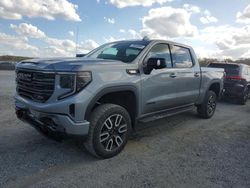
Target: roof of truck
column 147, row 41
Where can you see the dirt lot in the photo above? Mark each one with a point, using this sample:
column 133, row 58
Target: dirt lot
column 181, row 151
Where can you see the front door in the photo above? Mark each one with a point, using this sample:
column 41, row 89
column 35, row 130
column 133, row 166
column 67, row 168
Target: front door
column 158, row 87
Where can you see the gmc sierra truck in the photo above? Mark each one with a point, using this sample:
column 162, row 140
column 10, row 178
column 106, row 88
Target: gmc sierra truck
column 102, row 96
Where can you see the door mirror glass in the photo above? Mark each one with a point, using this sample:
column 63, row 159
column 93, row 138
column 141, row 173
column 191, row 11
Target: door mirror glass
column 156, row 63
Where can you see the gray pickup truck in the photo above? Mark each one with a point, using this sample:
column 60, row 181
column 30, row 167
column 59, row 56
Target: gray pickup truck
column 102, row 96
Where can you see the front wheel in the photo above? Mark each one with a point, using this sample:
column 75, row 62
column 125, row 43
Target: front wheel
column 207, row 108
column 110, row 127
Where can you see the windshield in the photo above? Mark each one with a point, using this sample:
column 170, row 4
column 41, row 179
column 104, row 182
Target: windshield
column 125, row 51
column 230, row 69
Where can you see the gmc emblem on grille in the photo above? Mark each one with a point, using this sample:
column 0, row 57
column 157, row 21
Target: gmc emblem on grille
column 24, row 76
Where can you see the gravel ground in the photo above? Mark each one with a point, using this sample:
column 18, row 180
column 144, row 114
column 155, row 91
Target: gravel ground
column 181, row 151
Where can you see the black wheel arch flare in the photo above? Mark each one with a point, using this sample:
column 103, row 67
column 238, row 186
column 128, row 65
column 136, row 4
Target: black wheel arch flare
column 108, row 90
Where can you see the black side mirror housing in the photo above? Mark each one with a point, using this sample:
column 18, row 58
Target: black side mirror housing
column 80, row 55
column 156, row 63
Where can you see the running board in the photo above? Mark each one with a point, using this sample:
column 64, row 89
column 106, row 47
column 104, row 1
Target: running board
column 166, row 113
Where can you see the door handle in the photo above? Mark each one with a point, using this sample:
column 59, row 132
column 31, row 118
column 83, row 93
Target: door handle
column 173, row 75
column 197, row 74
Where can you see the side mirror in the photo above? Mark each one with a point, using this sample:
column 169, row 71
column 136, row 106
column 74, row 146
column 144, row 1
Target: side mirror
column 156, row 63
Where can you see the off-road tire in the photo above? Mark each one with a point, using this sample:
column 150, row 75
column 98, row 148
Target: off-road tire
column 209, row 103
column 98, row 117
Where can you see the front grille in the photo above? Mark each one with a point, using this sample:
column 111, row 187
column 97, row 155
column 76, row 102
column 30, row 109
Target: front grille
column 37, row 86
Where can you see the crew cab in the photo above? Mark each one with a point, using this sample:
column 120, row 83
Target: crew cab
column 102, row 96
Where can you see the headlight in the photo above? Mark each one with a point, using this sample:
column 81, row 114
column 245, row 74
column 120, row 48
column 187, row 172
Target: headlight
column 72, row 83
column 67, row 81
column 82, row 80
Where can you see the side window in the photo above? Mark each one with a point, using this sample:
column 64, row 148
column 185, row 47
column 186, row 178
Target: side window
column 160, row 51
column 181, row 57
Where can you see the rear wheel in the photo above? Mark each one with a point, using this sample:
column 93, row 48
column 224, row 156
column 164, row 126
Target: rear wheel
column 109, row 130
column 245, row 96
column 207, row 108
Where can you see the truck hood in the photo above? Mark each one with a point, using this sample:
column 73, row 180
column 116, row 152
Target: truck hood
column 65, row 64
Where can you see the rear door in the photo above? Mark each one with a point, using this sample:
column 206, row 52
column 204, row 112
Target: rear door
column 187, row 76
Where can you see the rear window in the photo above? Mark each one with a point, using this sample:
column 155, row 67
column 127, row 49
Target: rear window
column 231, row 70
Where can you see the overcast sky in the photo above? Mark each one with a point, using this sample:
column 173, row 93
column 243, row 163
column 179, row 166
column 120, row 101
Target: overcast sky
column 48, row 28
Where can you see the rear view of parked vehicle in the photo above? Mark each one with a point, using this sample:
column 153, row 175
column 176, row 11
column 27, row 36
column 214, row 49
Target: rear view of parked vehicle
column 237, row 80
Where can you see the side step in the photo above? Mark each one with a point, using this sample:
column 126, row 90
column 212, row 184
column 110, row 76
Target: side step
column 165, row 113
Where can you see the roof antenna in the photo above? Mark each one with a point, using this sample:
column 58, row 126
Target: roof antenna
column 77, row 31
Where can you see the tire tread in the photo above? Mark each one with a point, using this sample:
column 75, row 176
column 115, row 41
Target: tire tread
column 95, row 116
column 202, row 108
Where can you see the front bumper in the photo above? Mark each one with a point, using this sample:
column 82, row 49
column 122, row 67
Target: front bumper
column 60, row 117
column 57, row 126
